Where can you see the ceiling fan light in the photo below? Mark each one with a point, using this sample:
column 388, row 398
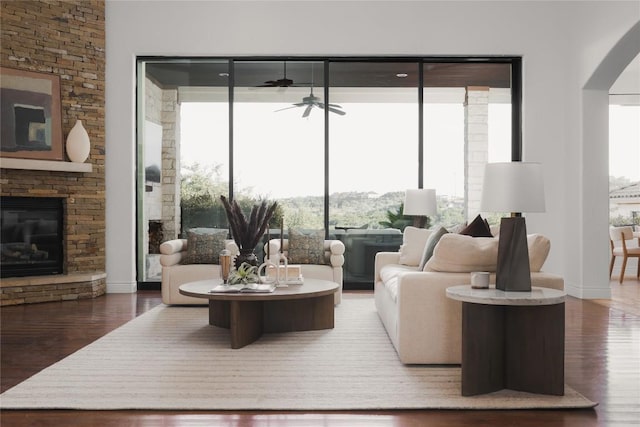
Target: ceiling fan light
column 402, row 75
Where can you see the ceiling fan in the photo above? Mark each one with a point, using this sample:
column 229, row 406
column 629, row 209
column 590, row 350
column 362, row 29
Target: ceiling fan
column 283, row 82
column 313, row 101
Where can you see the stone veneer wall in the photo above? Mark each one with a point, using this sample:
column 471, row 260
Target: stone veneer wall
column 476, row 134
column 67, row 39
column 170, row 164
column 161, row 107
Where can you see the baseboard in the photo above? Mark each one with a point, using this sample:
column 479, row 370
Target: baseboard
column 122, row 288
column 587, row 293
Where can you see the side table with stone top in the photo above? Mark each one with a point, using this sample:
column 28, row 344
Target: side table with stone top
column 511, row 340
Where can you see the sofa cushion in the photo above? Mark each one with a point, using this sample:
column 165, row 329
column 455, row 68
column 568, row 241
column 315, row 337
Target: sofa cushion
column 389, row 275
column 539, row 247
column 392, row 270
column 478, row 228
column 204, row 245
column 459, row 253
column 432, row 241
column 306, row 248
column 413, row 241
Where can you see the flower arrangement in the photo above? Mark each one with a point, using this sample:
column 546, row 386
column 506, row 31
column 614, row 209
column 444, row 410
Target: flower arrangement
column 247, row 232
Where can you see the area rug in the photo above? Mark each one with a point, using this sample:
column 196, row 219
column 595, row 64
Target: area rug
column 171, row 359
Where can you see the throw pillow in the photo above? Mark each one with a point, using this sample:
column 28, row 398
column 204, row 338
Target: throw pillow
column 432, row 241
column 478, row 228
column 306, row 248
column 538, row 246
column 204, row 245
column 413, row 241
column 458, row 253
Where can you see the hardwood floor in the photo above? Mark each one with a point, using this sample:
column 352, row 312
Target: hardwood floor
column 602, row 362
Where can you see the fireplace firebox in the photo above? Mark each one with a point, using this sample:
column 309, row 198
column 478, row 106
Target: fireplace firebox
column 31, row 238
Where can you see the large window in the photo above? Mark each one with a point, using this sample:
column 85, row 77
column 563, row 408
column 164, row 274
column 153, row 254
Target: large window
column 336, row 141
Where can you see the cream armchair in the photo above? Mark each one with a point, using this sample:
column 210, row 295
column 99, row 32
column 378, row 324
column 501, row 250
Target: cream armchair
column 332, row 270
column 175, row 274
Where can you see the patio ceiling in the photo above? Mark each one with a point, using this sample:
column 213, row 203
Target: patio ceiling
column 170, row 75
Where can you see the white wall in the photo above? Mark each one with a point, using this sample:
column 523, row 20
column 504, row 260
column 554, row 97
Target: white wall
column 562, row 43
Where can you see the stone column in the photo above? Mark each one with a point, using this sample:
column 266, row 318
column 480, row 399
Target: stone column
column 476, row 146
column 170, row 164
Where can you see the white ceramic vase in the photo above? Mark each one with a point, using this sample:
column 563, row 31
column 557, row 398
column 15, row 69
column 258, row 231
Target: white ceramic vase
column 78, row 144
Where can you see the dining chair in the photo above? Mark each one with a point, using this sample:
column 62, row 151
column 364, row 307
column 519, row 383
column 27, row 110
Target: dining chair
column 620, row 237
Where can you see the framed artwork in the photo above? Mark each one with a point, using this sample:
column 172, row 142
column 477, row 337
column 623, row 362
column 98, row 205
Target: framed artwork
column 30, row 112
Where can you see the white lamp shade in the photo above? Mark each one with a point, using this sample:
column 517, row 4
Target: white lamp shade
column 513, row 187
column 420, row 202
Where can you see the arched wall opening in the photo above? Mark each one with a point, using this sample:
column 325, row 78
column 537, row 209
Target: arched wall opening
column 594, row 231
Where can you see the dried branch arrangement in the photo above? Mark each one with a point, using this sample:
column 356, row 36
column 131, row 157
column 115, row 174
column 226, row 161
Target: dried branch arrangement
column 248, row 232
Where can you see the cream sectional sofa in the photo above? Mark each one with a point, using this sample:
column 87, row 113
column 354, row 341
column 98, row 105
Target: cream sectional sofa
column 424, row 325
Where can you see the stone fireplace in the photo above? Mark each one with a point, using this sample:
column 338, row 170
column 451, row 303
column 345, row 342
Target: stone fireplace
column 31, row 236
column 65, row 39
column 48, row 249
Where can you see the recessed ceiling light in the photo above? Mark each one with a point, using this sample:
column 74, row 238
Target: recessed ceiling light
column 402, row 75
column 223, row 74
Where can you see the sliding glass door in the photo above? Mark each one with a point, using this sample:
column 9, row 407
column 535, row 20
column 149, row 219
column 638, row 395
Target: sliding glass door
column 335, row 141
column 372, row 157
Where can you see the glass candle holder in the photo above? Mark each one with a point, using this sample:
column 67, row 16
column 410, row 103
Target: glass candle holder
column 225, row 265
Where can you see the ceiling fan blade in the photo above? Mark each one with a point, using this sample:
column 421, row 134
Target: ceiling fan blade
column 334, row 110
column 286, row 108
column 321, row 105
column 307, row 111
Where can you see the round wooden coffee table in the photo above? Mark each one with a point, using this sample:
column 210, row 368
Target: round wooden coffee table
column 248, row 315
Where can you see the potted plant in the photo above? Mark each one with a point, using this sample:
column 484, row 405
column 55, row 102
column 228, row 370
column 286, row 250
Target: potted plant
column 397, row 219
column 247, row 232
column 246, row 273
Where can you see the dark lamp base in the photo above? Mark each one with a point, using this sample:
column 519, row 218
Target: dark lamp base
column 513, row 272
column 419, row 221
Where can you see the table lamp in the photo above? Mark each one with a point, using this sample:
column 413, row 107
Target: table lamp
column 513, row 187
column 420, row 203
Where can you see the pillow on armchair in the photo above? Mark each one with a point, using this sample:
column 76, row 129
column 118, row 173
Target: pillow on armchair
column 306, row 248
column 204, row 245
